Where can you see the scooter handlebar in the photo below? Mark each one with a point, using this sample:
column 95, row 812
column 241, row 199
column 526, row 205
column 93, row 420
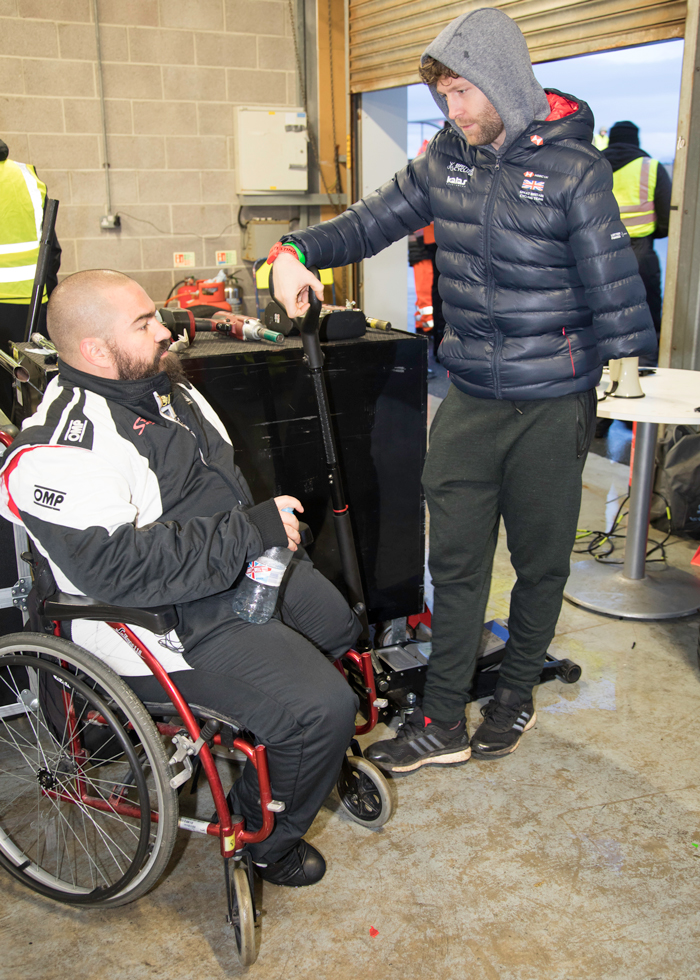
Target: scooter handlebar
column 309, row 323
column 312, row 316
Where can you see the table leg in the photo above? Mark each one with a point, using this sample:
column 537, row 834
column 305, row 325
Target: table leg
column 633, row 590
column 640, row 500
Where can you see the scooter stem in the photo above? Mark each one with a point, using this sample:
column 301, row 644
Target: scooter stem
column 314, row 357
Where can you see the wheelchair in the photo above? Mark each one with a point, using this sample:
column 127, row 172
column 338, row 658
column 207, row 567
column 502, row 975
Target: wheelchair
column 90, row 775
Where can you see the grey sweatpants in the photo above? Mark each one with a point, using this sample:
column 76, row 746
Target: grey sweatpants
column 488, row 459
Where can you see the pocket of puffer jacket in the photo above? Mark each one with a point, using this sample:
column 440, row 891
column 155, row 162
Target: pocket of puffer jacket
column 586, row 406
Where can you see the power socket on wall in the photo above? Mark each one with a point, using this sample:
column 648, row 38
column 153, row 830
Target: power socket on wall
column 110, row 222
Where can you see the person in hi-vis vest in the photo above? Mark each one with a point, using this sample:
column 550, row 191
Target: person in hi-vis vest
column 642, row 189
column 22, row 202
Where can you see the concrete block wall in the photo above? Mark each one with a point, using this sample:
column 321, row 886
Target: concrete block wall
column 173, row 71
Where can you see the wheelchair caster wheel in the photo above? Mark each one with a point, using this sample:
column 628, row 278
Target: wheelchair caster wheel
column 364, row 792
column 568, row 671
column 242, row 919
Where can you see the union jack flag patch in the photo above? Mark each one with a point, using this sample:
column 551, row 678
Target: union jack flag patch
column 533, row 185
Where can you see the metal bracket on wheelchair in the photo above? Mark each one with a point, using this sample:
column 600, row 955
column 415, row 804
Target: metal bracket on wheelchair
column 276, row 806
column 16, row 595
column 184, row 749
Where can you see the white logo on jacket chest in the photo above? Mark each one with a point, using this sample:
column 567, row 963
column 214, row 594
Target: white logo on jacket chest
column 460, row 168
column 75, row 431
column 532, row 188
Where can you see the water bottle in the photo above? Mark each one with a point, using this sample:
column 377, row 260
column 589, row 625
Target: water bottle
column 256, row 596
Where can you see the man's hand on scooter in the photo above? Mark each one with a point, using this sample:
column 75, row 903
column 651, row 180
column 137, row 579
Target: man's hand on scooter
column 292, row 281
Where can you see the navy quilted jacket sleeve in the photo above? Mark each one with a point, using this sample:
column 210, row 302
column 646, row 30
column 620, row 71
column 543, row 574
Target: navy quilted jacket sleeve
column 395, row 210
column 608, row 267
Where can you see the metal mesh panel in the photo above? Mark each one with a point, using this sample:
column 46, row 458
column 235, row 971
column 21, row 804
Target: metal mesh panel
column 387, row 37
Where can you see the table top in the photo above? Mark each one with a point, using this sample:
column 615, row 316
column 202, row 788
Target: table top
column 671, row 395
column 216, row 344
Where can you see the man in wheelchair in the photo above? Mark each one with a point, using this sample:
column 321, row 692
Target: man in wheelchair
column 126, row 482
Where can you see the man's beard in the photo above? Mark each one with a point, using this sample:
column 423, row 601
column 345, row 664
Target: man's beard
column 133, row 369
column 489, row 127
column 172, row 365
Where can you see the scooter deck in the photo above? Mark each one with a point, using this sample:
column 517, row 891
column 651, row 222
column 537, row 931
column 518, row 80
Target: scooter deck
column 400, row 670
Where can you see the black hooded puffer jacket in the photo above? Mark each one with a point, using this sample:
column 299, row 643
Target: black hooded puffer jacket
column 538, row 281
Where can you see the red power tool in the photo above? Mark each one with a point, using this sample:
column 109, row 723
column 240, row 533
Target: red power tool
column 201, row 292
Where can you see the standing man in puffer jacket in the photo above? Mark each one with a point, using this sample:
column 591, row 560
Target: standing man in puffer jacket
column 539, row 288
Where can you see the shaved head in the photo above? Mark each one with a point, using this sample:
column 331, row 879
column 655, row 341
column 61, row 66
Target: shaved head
column 103, row 323
column 85, row 304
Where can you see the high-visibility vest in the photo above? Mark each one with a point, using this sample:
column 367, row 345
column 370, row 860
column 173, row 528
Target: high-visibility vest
column 22, row 197
column 633, row 187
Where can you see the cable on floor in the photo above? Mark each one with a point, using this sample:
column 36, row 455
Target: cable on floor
column 602, row 543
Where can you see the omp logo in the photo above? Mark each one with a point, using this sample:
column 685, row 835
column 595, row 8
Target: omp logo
column 461, row 168
column 75, row 430
column 46, row 497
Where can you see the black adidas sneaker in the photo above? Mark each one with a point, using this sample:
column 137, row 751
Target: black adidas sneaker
column 419, row 744
column 506, row 717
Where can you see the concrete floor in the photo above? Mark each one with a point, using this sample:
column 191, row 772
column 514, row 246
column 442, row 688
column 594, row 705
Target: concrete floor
column 572, row 859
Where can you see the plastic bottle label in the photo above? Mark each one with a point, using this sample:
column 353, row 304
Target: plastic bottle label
column 266, row 571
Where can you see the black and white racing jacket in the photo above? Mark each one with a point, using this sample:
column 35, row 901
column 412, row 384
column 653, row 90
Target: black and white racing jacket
column 130, row 489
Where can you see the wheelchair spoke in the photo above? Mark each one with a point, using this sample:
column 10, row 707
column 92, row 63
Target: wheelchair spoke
column 91, row 820
column 74, row 837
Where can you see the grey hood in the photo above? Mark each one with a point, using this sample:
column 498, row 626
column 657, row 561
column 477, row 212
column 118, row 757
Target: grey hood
column 488, row 49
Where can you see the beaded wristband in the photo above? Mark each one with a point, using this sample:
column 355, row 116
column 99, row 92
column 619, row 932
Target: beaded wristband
column 285, row 247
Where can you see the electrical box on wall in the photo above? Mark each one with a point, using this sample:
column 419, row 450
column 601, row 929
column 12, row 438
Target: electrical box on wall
column 260, row 235
column 271, row 150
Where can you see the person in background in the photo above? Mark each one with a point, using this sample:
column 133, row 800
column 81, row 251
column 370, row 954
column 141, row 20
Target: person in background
column 22, row 202
column 642, row 189
column 421, row 261
column 601, row 139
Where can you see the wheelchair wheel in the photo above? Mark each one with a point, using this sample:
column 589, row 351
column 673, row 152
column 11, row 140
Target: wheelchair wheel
column 364, row 792
column 243, row 917
column 87, row 814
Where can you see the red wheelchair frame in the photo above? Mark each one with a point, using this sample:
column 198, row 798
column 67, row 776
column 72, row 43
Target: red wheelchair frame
column 231, row 836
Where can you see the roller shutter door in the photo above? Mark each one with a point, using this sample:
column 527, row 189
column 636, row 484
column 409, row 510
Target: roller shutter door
column 386, row 37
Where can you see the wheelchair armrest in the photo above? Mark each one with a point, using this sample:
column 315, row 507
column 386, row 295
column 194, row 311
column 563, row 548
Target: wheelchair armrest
column 61, row 606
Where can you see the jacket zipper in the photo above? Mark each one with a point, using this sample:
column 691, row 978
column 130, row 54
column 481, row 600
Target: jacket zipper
column 491, row 282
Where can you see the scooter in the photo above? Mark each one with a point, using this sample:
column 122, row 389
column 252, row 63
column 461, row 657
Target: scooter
column 399, row 655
